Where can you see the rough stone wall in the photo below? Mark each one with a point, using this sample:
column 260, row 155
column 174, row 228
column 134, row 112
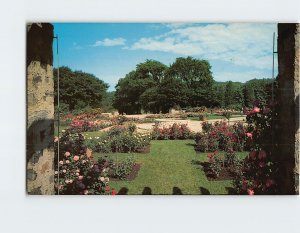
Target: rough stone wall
column 288, row 98
column 40, row 109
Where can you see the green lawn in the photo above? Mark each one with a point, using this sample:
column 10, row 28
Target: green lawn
column 213, row 117
column 170, row 167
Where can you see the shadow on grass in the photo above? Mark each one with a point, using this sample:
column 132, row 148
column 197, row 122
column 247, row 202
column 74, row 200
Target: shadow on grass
column 147, row 191
column 196, row 162
column 123, row 191
column 191, row 144
column 177, row 191
column 231, row 191
column 204, row 191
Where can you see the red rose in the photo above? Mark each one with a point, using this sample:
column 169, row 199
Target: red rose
column 113, row 192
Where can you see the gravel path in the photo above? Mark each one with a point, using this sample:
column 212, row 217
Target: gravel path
column 193, row 125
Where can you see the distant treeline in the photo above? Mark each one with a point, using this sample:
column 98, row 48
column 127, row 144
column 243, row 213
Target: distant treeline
column 154, row 87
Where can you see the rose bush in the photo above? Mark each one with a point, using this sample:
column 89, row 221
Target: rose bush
column 221, row 136
column 78, row 126
column 259, row 172
column 175, row 131
column 75, row 172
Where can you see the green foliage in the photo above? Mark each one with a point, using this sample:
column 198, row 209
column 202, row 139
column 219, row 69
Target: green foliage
column 151, row 69
column 196, row 75
column 107, row 102
column 255, row 89
column 79, row 89
column 154, row 87
column 123, row 168
column 216, row 162
column 119, row 139
column 129, row 90
column 260, row 172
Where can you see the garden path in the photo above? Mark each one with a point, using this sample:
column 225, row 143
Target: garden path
column 195, row 126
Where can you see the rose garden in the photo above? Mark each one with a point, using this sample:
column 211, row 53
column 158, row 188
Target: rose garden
column 102, row 154
column 164, row 129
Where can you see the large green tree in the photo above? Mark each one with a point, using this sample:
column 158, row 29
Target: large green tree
column 197, row 76
column 79, row 89
column 151, row 69
column 129, row 90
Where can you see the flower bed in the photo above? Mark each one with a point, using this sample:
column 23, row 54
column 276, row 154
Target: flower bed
column 79, row 126
column 120, row 139
column 75, row 171
column 175, row 131
column 221, row 137
column 86, row 116
column 222, row 166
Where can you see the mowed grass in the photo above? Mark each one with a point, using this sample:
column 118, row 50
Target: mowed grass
column 213, row 117
column 171, row 167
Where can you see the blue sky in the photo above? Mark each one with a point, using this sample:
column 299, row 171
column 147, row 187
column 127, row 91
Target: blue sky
column 236, row 52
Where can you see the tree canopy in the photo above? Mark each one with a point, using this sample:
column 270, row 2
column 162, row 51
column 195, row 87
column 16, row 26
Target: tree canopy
column 79, row 89
column 155, row 87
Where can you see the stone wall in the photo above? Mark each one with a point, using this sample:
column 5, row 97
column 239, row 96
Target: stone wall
column 288, row 98
column 40, row 109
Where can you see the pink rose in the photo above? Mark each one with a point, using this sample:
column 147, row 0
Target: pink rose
column 256, row 110
column 55, row 139
column 86, row 192
column 249, row 135
column 64, row 171
column 252, row 155
column 67, row 161
column 262, row 154
column 61, row 162
column 77, row 174
column 76, row 158
column 67, row 154
column 250, row 191
column 77, row 170
column 80, row 177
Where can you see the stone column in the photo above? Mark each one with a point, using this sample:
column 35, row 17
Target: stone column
column 40, row 109
column 288, row 98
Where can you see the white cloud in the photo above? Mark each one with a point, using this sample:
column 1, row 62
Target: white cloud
column 241, row 44
column 110, row 42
